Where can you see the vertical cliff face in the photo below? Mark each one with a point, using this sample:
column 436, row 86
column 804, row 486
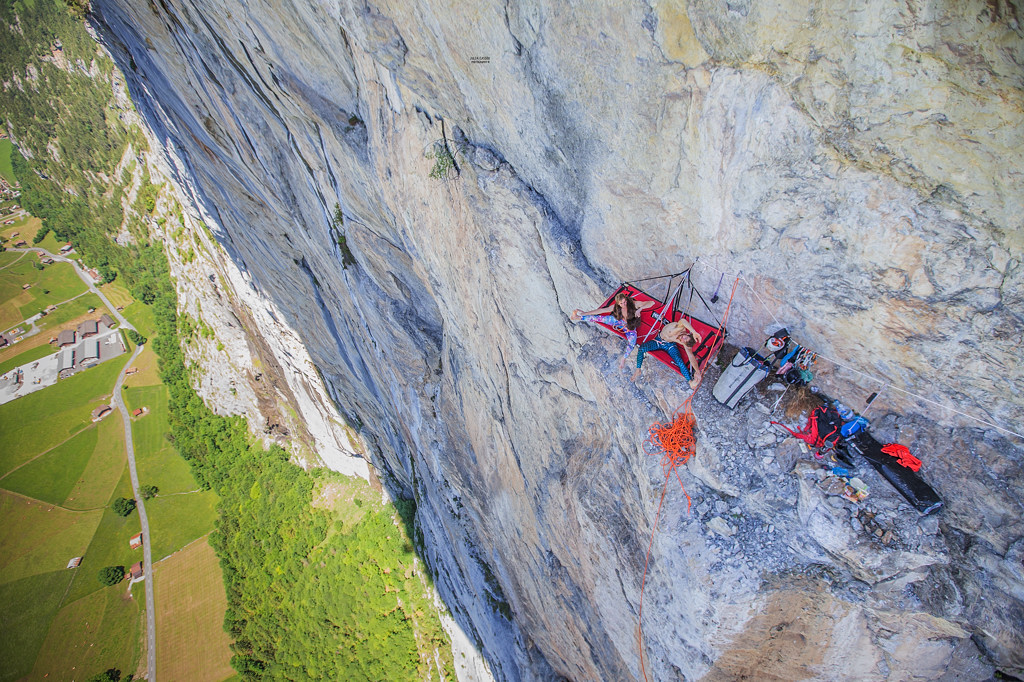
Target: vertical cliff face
column 860, row 167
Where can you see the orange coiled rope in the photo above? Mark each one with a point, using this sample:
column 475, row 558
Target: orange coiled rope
column 676, row 442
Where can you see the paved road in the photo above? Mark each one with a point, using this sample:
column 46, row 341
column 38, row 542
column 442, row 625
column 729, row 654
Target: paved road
column 147, row 556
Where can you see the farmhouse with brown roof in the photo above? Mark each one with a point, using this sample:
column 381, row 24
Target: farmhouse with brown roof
column 135, row 541
column 65, row 338
column 87, row 329
column 100, row 412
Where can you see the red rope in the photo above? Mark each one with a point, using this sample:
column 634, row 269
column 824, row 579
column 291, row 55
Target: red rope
column 676, row 442
column 809, row 434
column 903, row 455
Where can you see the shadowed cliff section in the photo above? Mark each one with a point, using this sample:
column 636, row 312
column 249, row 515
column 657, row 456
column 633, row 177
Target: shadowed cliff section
column 609, row 143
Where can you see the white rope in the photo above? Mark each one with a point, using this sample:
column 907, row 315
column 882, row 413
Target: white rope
column 885, row 384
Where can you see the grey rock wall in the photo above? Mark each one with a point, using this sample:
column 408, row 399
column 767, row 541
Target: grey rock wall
column 861, row 168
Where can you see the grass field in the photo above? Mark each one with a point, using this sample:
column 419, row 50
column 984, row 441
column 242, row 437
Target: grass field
column 148, row 374
column 5, row 161
column 51, row 244
column 26, row 229
column 109, row 546
column 104, row 469
column 141, row 316
column 37, row 537
column 51, row 476
column 52, row 285
column 97, row 632
column 117, row 294
column 157, row 460
column 41, row 420
column 176, row 520
column 8, row 257
column 27, row 607
column 190, row 642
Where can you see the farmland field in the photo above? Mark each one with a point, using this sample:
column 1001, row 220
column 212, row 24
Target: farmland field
column 53, row 284
column 97, row 632
column 37, row 537
column 104, row 469
column 26, row 608
column 190, row 642
column 9, row 257
column 50, row 476
column 46, row 418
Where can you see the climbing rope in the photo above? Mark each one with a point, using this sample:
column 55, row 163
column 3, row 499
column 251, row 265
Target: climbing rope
column 676, row 442
column 903, row 456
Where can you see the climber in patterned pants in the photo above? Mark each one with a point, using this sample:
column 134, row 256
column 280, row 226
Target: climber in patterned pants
column 671, row 334
column 624, row 317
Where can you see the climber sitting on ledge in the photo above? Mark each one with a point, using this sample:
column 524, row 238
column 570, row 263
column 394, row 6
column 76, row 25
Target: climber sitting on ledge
column 679, row 332
column 625, row 317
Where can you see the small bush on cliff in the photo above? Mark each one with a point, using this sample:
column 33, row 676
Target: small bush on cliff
column 444, row 152
column 338, row 223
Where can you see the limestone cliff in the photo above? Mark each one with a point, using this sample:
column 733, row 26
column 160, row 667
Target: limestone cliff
column 860, row 166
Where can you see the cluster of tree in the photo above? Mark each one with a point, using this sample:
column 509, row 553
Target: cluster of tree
column 135, row 337
column 110, row 675
column 124, row 506
column 111, row 575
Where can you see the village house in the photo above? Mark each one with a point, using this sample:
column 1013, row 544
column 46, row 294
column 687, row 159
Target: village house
column 87, row 329
column 138, row 412
column 136, row 571
column 65, row 338
column 66, row 248
column 135, row 541
column 100, row 412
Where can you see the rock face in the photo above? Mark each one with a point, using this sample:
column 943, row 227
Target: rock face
column 860, row 167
